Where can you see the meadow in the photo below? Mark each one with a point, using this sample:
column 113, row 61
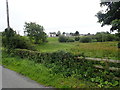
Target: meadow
column 94, row 49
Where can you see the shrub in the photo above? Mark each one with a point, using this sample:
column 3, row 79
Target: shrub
column 17, row 42
column 7, row 38
column 65, row 39
column 85, row 39
column 77, row 38
column 62, row 39
column 70, row 40
column 110, row 37
column 11, row 40
column 23, row 43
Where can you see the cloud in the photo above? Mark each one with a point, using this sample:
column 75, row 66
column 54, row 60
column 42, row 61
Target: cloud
column 54, row 15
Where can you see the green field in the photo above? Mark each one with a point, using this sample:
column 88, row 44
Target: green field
column 95, row 49
column 53, row 45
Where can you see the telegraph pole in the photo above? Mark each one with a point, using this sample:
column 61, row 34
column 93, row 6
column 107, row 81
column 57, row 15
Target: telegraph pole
column 7, row 9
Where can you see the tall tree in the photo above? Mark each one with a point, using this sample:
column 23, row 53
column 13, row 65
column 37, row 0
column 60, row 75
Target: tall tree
column 76, row 33
column 110, row 16
column 35, row 32
column 58, row 33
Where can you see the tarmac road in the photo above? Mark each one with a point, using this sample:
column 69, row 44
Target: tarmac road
column 11, row 79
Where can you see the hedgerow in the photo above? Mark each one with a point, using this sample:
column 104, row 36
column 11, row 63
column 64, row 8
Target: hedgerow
column 67, row 64
column 11, row 40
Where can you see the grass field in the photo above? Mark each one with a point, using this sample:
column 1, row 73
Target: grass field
column 53, row 45
column 95, row 49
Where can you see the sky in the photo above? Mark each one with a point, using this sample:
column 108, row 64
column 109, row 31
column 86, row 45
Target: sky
column 53, row 15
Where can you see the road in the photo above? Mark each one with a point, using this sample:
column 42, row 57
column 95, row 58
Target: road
column 11, row 79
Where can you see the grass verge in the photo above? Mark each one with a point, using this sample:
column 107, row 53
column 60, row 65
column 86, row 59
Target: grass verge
column 43, row 75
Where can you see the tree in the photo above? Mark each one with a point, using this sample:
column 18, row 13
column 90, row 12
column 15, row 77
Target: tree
column 110, row 37
column 63, row 33
column 101, row 36
column 7, row 38
column 11, row 40
column 35, row 32
column 104, row 36
column 111, row 16
column 88, row 34
column 76, row 33
column 58, row 33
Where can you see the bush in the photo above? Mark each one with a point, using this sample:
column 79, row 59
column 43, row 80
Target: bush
column 23, row 43
column 77, row 38
column 17, row 42
column 62, row 39
column 65, row 39
column 70, row 40
column 85, row 39
column 11, row 40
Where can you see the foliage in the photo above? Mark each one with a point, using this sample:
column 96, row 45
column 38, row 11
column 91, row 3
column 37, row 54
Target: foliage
column 42, row 74
column 63, row 38
column 76, row 33
column 116, row 25
column 104, row 36
column 77, row 38
column 111, row 16
column 11, row 40
column 111, row 13
column 63, row 33
column 58, row 33
column 70, row 40
column 35, row 32
column 22, row 43
column 7, row 38
column 9, row 33
column 110, row 37
column 68, row 65
column 85, row 39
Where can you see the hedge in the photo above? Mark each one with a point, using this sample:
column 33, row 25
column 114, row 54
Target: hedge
column 67, row 64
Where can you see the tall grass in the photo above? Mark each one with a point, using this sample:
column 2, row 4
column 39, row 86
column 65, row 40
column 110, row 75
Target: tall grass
column 97, row 49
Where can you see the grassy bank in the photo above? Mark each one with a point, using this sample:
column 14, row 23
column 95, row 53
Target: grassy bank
column 41, row 74
column 95, row 49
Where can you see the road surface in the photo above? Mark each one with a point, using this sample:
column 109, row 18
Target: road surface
column 11, row 79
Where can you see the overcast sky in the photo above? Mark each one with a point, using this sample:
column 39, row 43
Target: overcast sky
column 53, row 15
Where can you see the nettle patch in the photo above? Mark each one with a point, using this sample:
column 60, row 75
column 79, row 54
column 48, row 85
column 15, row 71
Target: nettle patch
column 67, row 64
